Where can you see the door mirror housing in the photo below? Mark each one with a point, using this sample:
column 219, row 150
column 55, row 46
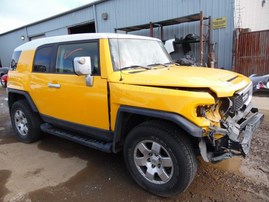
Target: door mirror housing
column 82, row 65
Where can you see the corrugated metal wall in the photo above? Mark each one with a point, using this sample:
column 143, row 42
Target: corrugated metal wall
column 52, row 27
column 122, row 13
column 128, row 13
column 80, row 17
column 252, row 54
column 7, row 44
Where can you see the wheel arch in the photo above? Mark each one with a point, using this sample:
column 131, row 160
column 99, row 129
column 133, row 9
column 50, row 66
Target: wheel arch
column 129, row 117
column 15, row 95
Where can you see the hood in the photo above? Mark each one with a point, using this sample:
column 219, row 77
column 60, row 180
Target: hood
column 224, row 83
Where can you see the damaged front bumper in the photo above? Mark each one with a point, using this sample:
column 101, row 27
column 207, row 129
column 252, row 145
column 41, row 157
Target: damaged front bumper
column 236, row 135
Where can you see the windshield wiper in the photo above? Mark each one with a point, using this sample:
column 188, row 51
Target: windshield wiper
column 172, row 63
column 134, row 66
column 157, row 64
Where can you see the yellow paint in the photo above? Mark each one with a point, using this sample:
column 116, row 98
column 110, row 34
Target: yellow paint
column 105, row 58
column 73, row 101
column 188, row 77
column 218, row 136
column 19, row 79
column 170, row 100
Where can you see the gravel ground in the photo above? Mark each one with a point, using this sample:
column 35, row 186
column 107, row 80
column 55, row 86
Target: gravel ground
column 54, row 169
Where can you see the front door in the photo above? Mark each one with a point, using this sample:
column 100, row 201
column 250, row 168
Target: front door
column 60, row 94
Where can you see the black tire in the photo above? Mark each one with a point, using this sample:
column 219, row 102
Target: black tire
column 154, row 175
column 25, row 122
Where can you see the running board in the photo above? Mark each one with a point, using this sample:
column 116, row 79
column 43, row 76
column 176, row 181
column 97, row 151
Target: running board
column 83, row 140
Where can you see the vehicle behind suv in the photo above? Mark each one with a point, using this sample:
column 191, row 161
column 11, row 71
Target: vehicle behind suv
column 116, row 92
column 3, row 76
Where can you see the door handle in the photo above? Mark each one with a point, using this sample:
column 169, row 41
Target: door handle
column 54, row 85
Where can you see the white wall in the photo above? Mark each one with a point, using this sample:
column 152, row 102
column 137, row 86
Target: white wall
column 253, row 15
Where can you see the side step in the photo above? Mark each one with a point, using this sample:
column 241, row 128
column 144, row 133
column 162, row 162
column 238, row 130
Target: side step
column 86, row 141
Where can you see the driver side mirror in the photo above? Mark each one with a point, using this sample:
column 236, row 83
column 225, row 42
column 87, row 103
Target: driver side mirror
column 83, row 66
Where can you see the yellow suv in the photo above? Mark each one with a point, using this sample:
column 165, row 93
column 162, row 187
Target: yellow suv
column 116, row 92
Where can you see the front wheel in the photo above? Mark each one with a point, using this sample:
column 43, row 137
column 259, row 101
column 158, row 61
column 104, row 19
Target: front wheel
column 159, row 158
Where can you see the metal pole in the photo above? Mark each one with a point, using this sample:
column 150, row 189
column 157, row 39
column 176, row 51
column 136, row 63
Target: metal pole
column 209, row 30
column 201, row 38
column 95, row 18
column 151, row 29
column 161, row 32
column 209, row 41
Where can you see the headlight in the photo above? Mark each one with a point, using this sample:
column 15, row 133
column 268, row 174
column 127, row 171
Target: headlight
column 210, row 112
column 225, row 106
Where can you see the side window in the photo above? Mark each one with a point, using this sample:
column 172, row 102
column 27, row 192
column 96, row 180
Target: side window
column 67, row 53
column 42, row 59
column 15, row 59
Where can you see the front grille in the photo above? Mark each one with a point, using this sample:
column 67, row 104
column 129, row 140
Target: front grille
column 241, row 98
column 238, row 102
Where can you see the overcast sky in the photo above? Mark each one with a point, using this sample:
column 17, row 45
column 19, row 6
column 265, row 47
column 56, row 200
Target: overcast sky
column 17, row 13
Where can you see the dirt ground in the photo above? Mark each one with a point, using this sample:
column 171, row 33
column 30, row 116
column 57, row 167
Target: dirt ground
column 54, row 169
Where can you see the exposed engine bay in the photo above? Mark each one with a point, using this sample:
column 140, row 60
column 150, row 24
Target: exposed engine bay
column 234, row 121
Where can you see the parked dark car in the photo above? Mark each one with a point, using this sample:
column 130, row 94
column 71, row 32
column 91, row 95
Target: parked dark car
column 3, row 70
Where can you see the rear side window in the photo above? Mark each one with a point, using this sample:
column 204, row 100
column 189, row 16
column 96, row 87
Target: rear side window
column 67, row 52
column 15, row 59
column 42, row 59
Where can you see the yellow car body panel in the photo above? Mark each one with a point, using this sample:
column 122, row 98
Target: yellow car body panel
column 224, row 83
column 73, row 101
column 175, row 101
column 105, row 58
column 19, row 79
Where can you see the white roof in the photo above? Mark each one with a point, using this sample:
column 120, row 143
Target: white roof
column 32, row 45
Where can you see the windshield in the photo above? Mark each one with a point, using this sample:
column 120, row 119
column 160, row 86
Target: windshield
column 137, row 52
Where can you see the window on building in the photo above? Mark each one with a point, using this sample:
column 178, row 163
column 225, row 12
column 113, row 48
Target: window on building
column 67, row 53
column 86, row 28
column 42, row 59
column 36, row 37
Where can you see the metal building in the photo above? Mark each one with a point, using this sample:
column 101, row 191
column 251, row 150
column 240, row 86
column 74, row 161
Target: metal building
column 109, row 15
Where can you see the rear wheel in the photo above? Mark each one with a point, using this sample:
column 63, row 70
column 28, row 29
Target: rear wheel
column 159, row 158
column 25, row 122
